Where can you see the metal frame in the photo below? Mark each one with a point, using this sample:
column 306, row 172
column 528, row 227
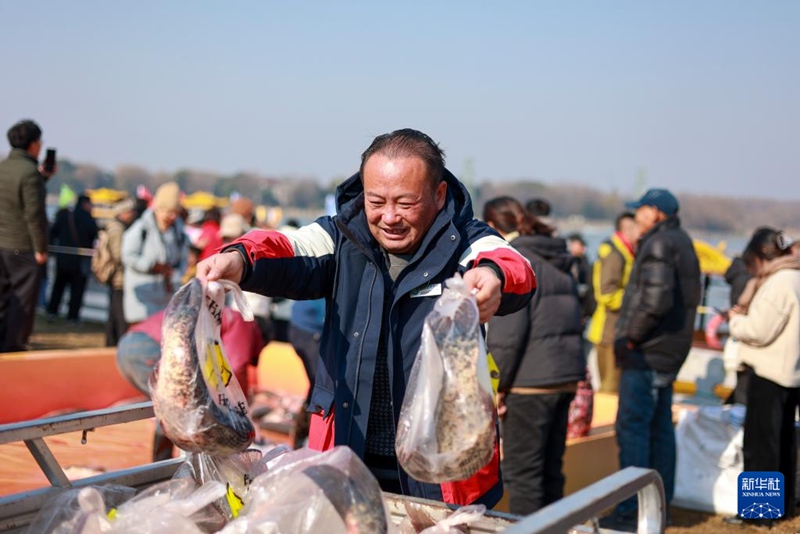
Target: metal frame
column 588, row 503
column 16, row 511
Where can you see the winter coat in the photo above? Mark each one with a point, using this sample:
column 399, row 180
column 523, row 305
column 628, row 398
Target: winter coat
column 770, row 332
column 73, row 228
column 737, row 277
column 540, row 345
column 115, row 230
column 143, row 246
column 660, row 302
column 23, row 220
column 337, row 258
column 610, row 275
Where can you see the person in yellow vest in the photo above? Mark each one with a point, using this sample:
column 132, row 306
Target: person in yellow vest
column 609, row 277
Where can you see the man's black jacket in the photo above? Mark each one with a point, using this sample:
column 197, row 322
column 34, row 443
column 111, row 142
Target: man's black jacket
column 660, row 302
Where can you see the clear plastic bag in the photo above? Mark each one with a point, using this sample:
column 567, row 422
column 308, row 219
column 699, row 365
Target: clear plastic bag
column 307, row 491
column 463, row 516
column 172, row 506
column 237, row 472
column 80, row 510
column 195, row 394
column 446, row 430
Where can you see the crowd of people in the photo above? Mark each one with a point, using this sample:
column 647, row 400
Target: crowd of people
column 365, row 277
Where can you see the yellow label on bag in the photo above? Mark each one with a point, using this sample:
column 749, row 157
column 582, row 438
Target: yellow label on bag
column 216, row 367
column 234, row 501
column 494, row 372
column 112, row 514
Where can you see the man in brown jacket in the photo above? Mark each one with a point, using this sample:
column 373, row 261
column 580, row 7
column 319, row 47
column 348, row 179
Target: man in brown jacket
column 23, row 234
column 609, row 278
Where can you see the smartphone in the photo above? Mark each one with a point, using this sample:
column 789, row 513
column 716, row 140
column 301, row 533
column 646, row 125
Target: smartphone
column 50, row 160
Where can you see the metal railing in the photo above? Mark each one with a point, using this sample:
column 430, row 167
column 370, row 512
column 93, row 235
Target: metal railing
column 76, row 251
column 17, row 510
column 587, row 504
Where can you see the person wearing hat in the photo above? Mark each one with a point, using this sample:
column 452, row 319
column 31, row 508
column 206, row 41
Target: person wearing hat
column 154, row 255
column 124, row 215
column 653, row 337
column 246, row 209
column 233, row 227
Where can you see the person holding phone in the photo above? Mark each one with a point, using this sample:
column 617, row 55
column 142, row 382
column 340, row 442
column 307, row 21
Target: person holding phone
column 23, row 233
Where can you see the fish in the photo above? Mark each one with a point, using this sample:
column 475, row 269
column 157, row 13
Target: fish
column 182, row 401
column 465, row 413
column 360, row 505
column 458, row 438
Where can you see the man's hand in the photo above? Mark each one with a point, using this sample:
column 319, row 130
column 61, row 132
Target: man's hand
column 40, row 257
column 161, row 268
column 501, row 404
column 224, row 266
column 489, row 294
column 48, row 174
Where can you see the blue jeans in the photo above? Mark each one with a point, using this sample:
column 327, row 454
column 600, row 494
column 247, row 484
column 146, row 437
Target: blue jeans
column 645, row 434
column 137, row 354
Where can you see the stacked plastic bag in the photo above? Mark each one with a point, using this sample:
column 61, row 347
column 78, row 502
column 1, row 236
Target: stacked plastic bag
column 280, row 492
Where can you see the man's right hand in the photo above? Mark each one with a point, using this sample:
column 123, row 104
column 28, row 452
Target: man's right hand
column 501, row 404
column 223, row 266
column 40, row 257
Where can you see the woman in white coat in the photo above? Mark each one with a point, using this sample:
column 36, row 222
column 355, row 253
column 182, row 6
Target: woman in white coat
column 766, row 320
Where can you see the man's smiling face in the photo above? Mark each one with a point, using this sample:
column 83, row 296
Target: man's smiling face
column 400, row 201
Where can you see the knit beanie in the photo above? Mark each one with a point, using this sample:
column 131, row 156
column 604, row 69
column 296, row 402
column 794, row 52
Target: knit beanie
column 167, row 197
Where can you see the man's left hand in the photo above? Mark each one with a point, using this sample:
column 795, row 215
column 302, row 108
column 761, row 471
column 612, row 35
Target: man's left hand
column 48, row 174
column 489, row 294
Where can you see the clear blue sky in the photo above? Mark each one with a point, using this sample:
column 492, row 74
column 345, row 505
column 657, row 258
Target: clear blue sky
column 705, row 95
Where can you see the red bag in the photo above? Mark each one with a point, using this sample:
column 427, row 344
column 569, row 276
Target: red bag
column 581, row 410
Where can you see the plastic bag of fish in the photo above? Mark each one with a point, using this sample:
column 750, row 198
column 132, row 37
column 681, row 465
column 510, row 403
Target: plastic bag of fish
column 446, row 430
column 236, row 472
column 195, row 394
column 307, row 491
column 164, row 508
column 419, row 521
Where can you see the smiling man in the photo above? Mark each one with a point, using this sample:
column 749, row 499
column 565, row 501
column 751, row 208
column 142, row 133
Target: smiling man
column 404, row 225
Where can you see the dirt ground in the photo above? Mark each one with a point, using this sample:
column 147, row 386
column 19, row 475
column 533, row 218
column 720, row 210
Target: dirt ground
column 59, row 334
column 690, row 522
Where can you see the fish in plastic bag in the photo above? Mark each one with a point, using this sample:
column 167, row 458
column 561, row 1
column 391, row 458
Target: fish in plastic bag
column 195, row 394
column 307, row 491
column 236, row 472
column 446, row 430
column 422, row 520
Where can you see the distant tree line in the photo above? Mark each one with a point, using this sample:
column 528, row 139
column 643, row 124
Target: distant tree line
column 701, row 212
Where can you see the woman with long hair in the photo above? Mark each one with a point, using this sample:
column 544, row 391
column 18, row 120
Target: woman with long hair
column 538, row 351
column 766, row 320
